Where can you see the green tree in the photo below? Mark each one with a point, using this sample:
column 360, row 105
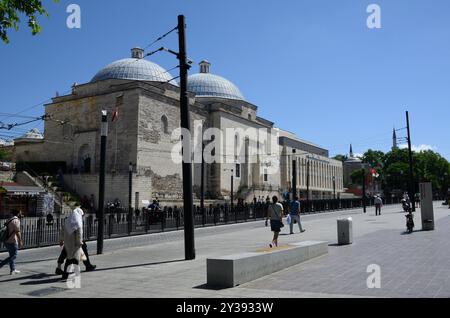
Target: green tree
column 397, row 177
column 431, row 167
column 396, row 155
column 10, row 11
column 4, row 155
column 357, row 176
column 374, row 158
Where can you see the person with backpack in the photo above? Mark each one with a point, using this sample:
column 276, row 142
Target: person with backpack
column 12, row 241
column 275, row 214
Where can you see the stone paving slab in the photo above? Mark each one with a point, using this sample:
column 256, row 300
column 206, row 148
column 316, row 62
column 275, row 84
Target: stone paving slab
column 153, row 266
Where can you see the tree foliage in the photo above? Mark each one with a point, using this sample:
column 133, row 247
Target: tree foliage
column 4, row 155
column 11, row 10
column 393, row 169
column 357, row 177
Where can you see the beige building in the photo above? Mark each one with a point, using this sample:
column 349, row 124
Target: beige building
column 316, row 172
column 147, row 104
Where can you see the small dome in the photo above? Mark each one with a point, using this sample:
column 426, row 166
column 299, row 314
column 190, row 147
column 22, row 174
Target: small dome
column 206, row 84
column 353, row 160
column 134, row 68
column 32, row 136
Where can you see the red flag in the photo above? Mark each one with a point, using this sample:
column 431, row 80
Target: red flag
column 115, row 114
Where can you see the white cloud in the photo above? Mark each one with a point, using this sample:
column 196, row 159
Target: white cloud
column 419, row 148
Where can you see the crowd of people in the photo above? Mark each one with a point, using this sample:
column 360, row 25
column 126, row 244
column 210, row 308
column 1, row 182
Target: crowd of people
column 74, row 249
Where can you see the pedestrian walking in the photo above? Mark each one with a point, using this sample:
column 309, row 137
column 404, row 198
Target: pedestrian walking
column 72, row 239
column 275, row 214
column 295, row 215
column 13, row 242
column 378, row 204
column 62, row 257
column 87, row 262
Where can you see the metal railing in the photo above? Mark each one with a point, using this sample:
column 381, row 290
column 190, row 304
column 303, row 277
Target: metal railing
column 38, row 232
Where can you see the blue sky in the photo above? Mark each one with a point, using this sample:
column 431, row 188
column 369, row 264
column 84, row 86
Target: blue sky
column 311, row 66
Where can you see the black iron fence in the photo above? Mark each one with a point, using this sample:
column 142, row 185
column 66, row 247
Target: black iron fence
column 39, row 232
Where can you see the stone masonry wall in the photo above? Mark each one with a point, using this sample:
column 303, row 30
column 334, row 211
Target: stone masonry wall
column 116, row 187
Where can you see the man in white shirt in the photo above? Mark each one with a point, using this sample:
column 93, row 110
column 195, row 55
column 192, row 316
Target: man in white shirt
column 378, row 204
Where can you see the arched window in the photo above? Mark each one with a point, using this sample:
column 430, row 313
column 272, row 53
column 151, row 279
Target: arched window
column 84, row 159
column 164, row 124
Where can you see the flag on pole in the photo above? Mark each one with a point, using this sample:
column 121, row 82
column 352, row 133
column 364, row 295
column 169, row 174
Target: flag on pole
column 115, row 114
column 374, row 173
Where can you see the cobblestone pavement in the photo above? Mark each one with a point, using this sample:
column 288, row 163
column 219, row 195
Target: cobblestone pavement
column 412, row 265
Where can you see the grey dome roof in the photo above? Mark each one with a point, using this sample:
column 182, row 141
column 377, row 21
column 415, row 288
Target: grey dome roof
column 33, row 134
column 135, row 68
column 353, row 160
column 207, row 84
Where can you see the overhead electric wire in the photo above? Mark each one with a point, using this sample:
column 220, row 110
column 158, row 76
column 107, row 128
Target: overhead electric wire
column 13, row 115
column 160, row 38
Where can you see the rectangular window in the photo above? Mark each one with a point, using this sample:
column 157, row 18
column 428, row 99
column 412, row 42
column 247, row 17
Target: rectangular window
column 266, row 176
column 238, row 170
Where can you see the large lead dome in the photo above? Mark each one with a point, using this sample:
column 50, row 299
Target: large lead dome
column 134, row 68
column 206, row 84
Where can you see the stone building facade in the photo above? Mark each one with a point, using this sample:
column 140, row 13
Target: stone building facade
column 145, row 104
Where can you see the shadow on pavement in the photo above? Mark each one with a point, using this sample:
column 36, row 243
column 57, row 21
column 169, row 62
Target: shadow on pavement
column 34, row 276
column 207, row 287
column 42, row 282
column 36, row 261
column 137, row 265
column 41, row 276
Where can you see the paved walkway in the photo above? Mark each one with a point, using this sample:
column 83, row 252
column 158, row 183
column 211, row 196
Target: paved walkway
column 414, row 265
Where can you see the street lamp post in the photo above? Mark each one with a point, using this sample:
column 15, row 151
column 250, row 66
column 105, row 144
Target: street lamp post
column 412, row 187
column 101, row 191
column 188, row 201
column 294, row 175
column 202, row 183
column 307, row 186
column 130, row 187
column 232, row 181
column 364, row 189
column 334, row 187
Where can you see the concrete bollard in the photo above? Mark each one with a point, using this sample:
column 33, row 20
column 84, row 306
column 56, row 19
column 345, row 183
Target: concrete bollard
column 345, row 231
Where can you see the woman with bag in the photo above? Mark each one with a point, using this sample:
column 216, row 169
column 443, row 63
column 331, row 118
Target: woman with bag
column 275, row 214
column 72, row 239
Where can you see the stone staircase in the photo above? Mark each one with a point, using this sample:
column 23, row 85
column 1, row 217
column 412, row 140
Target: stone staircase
column 65, row 201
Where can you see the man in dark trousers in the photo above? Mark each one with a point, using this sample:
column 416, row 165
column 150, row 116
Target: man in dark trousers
column 378, row 204
column 294, row 212
column 63, row 256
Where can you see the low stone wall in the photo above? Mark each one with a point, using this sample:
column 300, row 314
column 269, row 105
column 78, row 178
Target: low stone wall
column 234, row 270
